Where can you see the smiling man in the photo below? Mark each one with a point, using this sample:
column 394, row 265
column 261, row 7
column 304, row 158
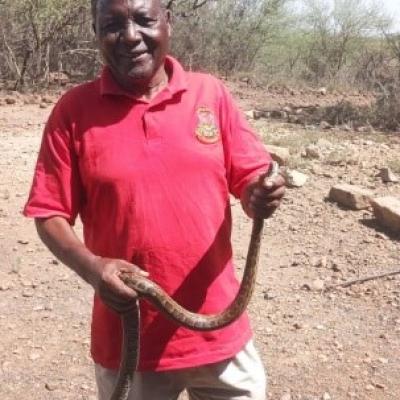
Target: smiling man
column 147, row 155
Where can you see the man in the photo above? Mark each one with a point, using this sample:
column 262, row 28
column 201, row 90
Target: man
column 147, row 156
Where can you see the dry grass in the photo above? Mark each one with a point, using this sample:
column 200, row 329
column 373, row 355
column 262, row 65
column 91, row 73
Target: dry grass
column 293, row 138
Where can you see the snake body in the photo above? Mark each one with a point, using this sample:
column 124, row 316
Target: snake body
column 153, row 293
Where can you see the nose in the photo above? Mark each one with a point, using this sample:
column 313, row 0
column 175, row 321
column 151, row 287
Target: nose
column 130, row 34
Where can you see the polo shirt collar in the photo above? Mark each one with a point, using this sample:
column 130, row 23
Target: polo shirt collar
column 177, row 81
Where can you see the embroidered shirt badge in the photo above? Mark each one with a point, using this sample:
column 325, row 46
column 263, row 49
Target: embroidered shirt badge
column 207, row 130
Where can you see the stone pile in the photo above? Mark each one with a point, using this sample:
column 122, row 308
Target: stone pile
column 325, row 115
column 386, row 209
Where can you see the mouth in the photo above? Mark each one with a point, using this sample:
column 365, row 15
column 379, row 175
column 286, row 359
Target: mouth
column 134, row 55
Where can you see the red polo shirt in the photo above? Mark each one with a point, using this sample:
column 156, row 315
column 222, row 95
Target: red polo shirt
column 151, row 183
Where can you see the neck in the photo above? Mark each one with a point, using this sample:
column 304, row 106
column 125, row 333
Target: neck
column 147, row 89
column 157, row 84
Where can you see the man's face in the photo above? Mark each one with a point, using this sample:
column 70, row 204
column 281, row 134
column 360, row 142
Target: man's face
column 133, row 37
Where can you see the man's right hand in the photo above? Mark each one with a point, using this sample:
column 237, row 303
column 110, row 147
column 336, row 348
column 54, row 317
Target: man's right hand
column 101, row 273
column 112, row 291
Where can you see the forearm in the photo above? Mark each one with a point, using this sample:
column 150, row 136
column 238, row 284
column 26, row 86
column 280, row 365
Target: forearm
column 61, row 240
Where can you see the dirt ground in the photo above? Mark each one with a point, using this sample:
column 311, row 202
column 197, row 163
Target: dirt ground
column 343, row 344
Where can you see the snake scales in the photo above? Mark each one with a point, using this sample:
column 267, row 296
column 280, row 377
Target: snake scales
column 165, row 304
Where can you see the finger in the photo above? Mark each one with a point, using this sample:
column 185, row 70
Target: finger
column 262, row 205
column 274, row 182
column 118, row 305
column 117, row 288
column 263, row 212
column 263, row 193
column 117, row 301
column 132, row 268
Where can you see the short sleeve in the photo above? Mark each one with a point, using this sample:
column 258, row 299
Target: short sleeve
column 56, row 187
column 245, row 155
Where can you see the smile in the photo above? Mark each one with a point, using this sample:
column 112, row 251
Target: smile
column 134, row 56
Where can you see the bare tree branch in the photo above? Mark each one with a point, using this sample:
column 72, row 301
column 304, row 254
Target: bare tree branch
column 362, row 280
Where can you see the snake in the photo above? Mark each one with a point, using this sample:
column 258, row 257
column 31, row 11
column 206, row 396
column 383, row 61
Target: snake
column 153, row 293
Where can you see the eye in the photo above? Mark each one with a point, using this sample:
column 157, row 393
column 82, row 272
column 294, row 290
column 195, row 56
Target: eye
column 110, row 26
column 146, row 21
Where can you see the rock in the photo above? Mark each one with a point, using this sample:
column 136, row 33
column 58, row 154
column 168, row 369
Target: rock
column 336, row 267
column 278, row 114
column 318, row 285
column 294, row 179
column 34, row 356
column 255, row 114
column 299, row 111
column 286, row 396
column 313, row 152
column 279, row 154
column 369, row 387
column 10, row 100
column 325, row 125
column 326, row 396
column 287, row 110
column 316, row 170
column 296, row 119
column 251, row 114
column 269, row 296
column 323, row 91
column 388, row 176
column 306, row 287
column 320, row 262
column 387, row 212
column 351, row 196
column 50, row 386
column 47, row 100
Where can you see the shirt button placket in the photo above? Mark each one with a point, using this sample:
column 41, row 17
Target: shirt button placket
column 150, row 131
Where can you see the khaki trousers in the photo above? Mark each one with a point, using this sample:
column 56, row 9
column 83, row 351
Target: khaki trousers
column 240, row 378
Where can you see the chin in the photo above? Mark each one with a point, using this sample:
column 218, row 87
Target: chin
column 135, row 73
column 140, row 74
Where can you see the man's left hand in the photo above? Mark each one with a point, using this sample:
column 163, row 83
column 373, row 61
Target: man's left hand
column 262, row 197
